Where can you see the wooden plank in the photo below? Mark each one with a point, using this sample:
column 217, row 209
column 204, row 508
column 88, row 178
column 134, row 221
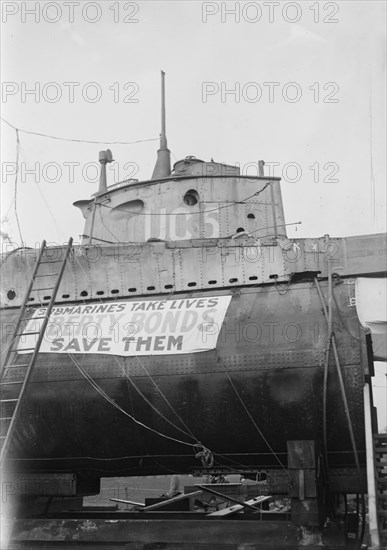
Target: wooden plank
column 132, row 502
column 238, row 507
column 227, row 497
column 169, row 501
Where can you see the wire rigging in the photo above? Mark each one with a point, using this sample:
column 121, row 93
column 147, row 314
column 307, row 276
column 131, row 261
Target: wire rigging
column 165, row 399
column 198, row 212
column 40, row 134
column 112, row 402
column 251, row 418
column 16, row 183
column 149, row 402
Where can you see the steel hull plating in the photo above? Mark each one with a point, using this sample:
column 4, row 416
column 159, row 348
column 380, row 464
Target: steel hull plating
column 268, row 366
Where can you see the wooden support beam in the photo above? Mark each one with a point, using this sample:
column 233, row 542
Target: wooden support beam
column 169, row 501
column 132, row 502
column 238, row 507
column 227, row 497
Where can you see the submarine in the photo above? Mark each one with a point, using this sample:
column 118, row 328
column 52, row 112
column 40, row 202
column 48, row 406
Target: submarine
column 186, row 333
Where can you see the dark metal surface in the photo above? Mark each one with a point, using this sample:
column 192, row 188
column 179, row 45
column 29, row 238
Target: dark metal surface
column 271, row 346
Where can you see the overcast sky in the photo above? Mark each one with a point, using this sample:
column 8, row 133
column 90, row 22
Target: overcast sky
column 309, row 94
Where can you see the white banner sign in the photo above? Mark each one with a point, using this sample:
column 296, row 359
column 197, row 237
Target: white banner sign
column 148, row 327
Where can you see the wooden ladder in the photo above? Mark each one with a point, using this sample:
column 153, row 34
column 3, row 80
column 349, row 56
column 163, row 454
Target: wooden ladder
column 380, row 453
column 10, row 408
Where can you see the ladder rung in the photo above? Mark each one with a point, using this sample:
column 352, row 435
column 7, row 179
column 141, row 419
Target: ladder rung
column 6, row 418
column 32, row 318
column 27, row 333
column 11, row 383
column 51, row 262
column 16, row 366
column 47, row 275
column 8, row 400
column 25, row 349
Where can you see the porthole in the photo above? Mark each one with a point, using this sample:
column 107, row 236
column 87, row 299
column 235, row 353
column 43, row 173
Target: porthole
column 132, row 289
column 253, row 278
column 31, row 299
column 240, row 230
column 65, row 295
column 100, row 292
column 46, row 297
column 191, row 197
column 234, row 280
column 251, row 216
column 84, row 293
column 115, row 291
column 212, row 282
column 168, row 286
column 192, row 284
column 150, row 288
column 11, row 294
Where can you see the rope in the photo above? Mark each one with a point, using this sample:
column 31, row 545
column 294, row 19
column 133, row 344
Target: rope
column 149, row 402
column 77, row 140
column 165, row 399
column 199, row 212
column 16, row 182
column 252, row 420
column 344, row 398
column 203, row 453
column 105, row 396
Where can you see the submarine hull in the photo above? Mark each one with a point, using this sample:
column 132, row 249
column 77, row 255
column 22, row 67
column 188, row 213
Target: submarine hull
column 261, row 386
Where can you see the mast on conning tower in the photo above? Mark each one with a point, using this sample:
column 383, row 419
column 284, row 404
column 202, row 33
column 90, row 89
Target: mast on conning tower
column 162, row 168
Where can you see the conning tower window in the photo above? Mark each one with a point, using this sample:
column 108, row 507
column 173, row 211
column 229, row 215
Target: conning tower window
column 191, row 197
column 11, row 294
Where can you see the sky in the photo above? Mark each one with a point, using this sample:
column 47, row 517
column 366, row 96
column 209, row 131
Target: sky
column 300, row 85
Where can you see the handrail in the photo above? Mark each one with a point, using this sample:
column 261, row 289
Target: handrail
column 123, row 183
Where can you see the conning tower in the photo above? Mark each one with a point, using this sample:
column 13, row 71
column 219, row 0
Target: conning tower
column 194, row 200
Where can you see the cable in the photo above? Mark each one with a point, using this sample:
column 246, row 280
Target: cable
column 252, row 419
column 116, row 208
column 107, row 229
column 150, row 403
column 182, row 421
column 16, row 181
column 271, row 226
column 189, row 432
column 105, row 396
column 345, row 402
column 77, row 140
column 165, row 399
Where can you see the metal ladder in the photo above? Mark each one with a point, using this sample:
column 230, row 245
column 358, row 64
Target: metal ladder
column 10, row 407
column 380, row 453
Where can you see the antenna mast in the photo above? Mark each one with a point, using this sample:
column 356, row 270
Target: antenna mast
column 163, row 164
column 163, row 136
